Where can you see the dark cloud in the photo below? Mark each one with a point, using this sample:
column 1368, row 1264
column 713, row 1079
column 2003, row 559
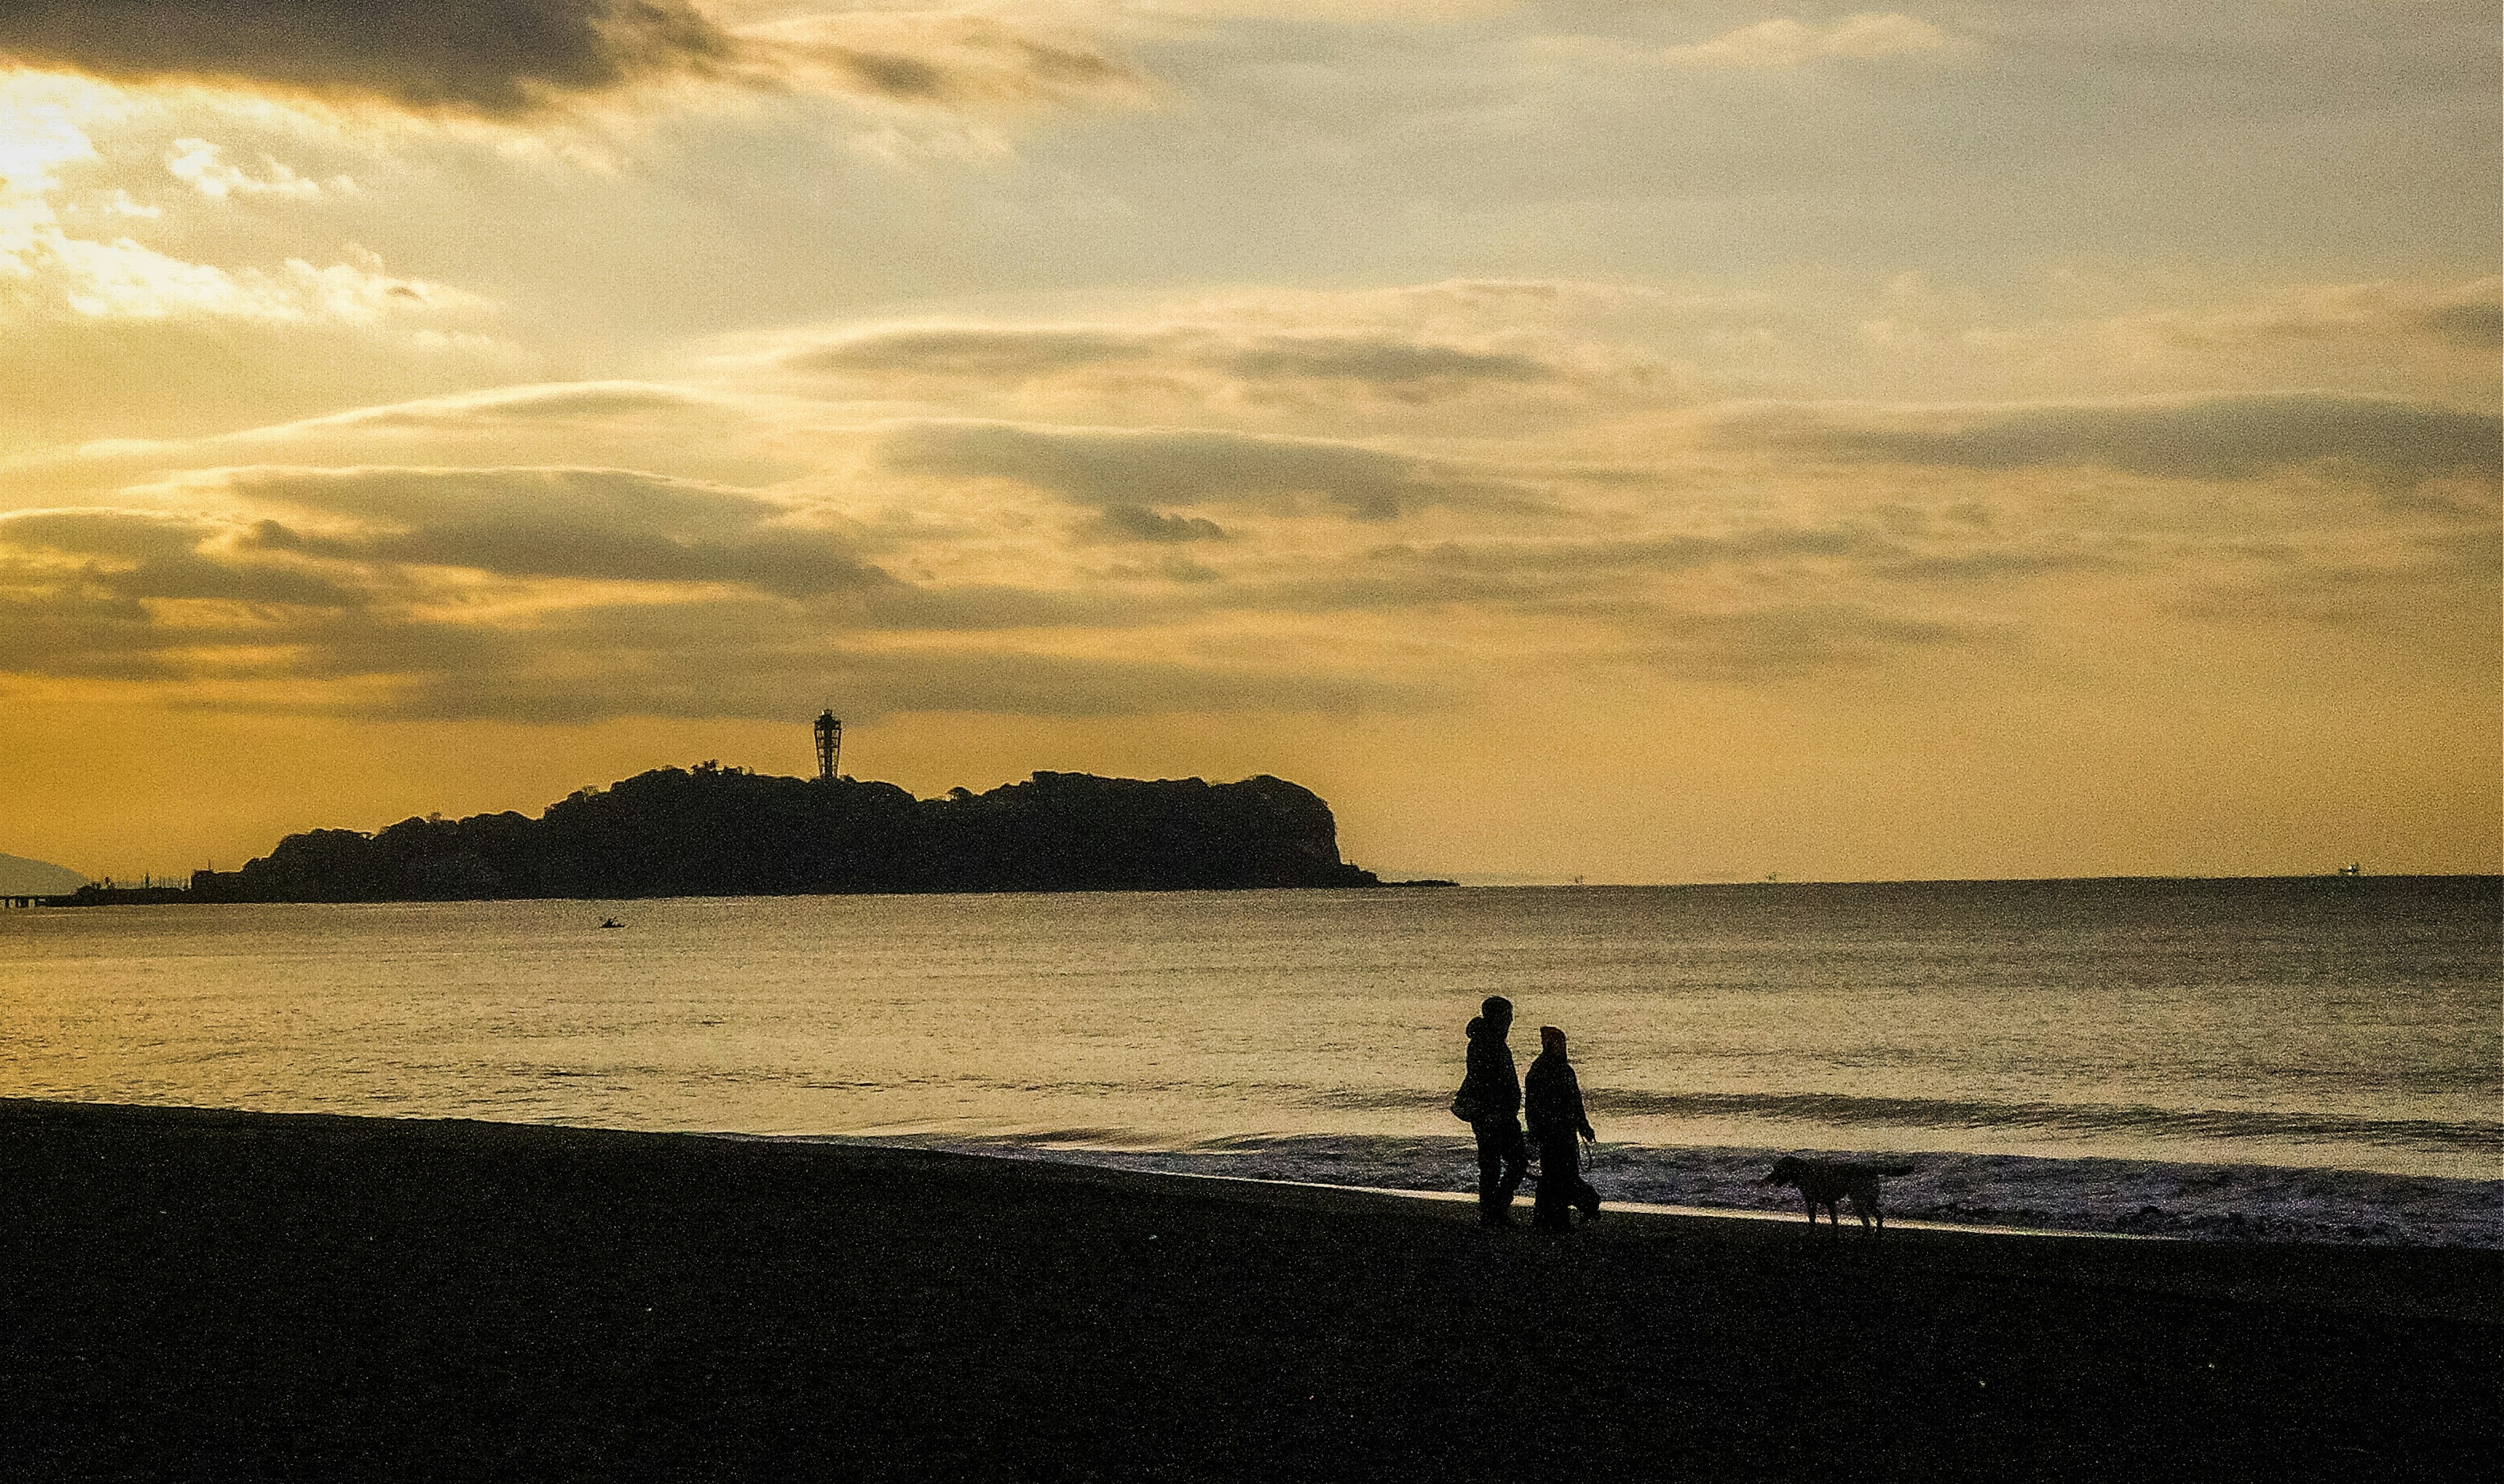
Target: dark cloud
column 2471, row 327
column 129, row 554
column 136, row 534
column 2222, row 438
column 64, row 634
column 1377, row 361
column 606, row 525
column 593, row 496
column 1379, row 364
column 729, row 657
column 80, row 633
column 1138, row 522
column 975, row 352
column 508, row 58
column 495, row 57
column 1033, row 66
column 1107, row 467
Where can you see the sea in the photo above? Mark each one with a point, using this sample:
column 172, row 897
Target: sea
column 2292, row 1059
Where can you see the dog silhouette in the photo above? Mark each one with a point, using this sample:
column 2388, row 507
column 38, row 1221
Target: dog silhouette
column 1828, row 1182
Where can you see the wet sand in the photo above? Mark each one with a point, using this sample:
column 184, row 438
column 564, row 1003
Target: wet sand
column 198, row 1294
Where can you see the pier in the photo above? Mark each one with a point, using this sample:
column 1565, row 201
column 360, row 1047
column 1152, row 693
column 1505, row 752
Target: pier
column 103, row 894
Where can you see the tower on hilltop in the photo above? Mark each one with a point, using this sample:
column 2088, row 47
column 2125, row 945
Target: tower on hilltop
column 830, row 745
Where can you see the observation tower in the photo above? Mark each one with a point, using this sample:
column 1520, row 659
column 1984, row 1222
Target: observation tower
column 830, row 745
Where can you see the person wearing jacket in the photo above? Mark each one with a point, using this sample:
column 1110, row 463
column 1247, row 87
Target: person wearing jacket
column 1554, row 1105
column 1490, row 1099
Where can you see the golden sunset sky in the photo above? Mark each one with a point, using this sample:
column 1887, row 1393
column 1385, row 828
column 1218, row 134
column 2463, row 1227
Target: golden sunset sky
column 1648, row 441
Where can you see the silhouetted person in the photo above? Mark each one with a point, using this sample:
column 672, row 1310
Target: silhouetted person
column 1555, row 1103
column 1491, row 1095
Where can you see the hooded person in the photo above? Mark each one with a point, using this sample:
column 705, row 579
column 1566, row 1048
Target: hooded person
column 1554, row 1104
column 1490, row 1099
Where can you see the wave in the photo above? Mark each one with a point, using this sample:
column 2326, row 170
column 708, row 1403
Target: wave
column 1843, row 1110
column 2216, row 1202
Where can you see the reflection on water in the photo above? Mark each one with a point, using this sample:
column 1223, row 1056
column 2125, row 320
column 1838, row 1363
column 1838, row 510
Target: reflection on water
column 2332, row 1023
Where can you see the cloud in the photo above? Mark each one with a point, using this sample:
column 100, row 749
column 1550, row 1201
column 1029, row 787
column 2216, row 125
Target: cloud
column 1108, row 468
column 102, row 531
column 1783, row 42
column 2214, row 437
column 1207, row 359
column 1380, row 362
column 492, row 57
column 771, row 678
column 2429, row 588
column 204, row 166
column 974, row 351
column 495, row 57
column 1795, row 640
column 599, row 525
column 2471, row 327
column 45, row 271
column 40, row 131
column 1138, row 522
column 2464, row 316
column 104, row 336
column 507, row 406
column 123, row 280
column 125, row 555
column 398, row 652
column 938, row 58
column 506, row 60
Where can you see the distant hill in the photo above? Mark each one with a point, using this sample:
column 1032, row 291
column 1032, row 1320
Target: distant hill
column 714, row 831
column 19, row 877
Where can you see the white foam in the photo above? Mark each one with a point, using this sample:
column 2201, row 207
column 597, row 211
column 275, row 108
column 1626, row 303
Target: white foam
column 1960, row 1192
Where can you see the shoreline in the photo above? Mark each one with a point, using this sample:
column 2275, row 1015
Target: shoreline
column 1403, row 1193
column 1636, row 1187
column 108, row 893
column 2080, row 1195
column 1720, row 1213
column 199, row 1292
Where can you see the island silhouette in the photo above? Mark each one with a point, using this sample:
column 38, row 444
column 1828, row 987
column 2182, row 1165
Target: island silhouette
column 716, row 831
column 21, row 877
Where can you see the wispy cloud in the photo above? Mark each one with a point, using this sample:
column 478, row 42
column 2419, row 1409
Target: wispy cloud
column 1379, row 363
column 1783, row 42
column 1116, row 467
column 2208, row 437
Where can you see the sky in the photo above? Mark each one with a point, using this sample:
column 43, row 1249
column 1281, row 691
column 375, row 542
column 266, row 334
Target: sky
column 1611, row 440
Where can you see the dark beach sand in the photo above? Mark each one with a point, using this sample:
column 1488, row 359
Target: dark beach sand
column 215, row 1295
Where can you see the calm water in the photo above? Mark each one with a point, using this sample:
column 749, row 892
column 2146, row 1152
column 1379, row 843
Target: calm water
column 2316, row 1057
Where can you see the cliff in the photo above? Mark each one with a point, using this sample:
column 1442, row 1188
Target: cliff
column 714, row 831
